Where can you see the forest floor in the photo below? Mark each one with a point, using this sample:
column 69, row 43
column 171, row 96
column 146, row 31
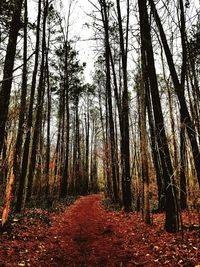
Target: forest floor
column 86, row 234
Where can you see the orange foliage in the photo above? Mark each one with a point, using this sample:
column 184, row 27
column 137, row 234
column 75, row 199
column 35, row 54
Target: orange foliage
column 8, row 198
column 51, row 165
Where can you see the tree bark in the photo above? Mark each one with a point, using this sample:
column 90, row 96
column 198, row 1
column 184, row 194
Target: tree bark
column 179, row 88
column 48, row 144
column 26, row 147
column 144, row 143
column 39, row 109
column 63, row 191
column 22, row 111
column 8, row 68
column 171, row 207
column 110, row 105
column 125, row 147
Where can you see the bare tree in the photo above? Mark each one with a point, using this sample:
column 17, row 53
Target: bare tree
column 8, row 68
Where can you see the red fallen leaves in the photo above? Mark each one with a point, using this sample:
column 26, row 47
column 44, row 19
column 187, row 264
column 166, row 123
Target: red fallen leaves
column 87, row 235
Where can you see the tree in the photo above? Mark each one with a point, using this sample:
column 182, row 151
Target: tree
column 29, row 122
column 104, row 12
column 125, row 149
column 171, row 205
column 39, row 108
column 48, row 145
column 63, row 190
column 8, row 68
column 99, row 81
column 22, row 111
column 144, row 142
column 179, row 86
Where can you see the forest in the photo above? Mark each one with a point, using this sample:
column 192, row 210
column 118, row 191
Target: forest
column 121, row 146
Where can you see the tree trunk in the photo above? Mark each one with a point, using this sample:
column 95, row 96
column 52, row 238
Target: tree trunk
column 179, row 88
column 144, row 143
column 47, row 163
column 125, row 149
column 155, row 151
column 183, row 188
column 109, row 99
column 105, row 158
column 63, row 191
column 39, row 109
column 8, row 68
column 77, row 166
column 87, row 138
column 29, row 119
column 22, row 111
column 171, row 207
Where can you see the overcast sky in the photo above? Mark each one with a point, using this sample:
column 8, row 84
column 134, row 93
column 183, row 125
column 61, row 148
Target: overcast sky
column 79, row 17
column 78, row 28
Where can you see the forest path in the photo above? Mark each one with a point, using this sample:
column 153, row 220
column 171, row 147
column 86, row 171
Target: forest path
column 88, row 235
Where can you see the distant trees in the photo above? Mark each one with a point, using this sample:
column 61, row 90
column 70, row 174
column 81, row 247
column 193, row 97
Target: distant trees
column 122, row 102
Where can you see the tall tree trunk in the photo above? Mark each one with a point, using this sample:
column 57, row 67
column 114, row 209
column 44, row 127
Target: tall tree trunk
column 39, row 109
column 29, row 119
column 94, row 163
column 192, row 73
column 63, row 191
column 183, row 188
column 125, row 149
column 105, row 157
column 171, row 206
column 58, row 142
column 47, row 163
column 77, row 166
column 144, row 144
column 65, row 173
column 8, row 68
column 179, row 88
column 175, row 156
column 109, row 99
column 87, row 139
column 63, row 136
column 155, row 151
column 73, row 162
column 22, row 111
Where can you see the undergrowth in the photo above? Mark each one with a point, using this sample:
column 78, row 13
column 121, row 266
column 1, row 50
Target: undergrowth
column 37, row 210
column 110, row 205
column 52, row 204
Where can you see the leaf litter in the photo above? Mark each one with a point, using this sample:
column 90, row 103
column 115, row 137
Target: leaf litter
column 86, row 234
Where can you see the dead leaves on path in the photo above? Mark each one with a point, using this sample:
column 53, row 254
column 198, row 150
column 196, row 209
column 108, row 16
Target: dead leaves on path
column 150, row 245
column 98, row 238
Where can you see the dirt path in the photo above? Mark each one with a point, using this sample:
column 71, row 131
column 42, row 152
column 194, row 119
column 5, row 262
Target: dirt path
column 89, row 237
column 85, row 234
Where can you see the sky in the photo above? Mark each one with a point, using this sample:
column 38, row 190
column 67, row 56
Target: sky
column 78, row 18
column 84, row 44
